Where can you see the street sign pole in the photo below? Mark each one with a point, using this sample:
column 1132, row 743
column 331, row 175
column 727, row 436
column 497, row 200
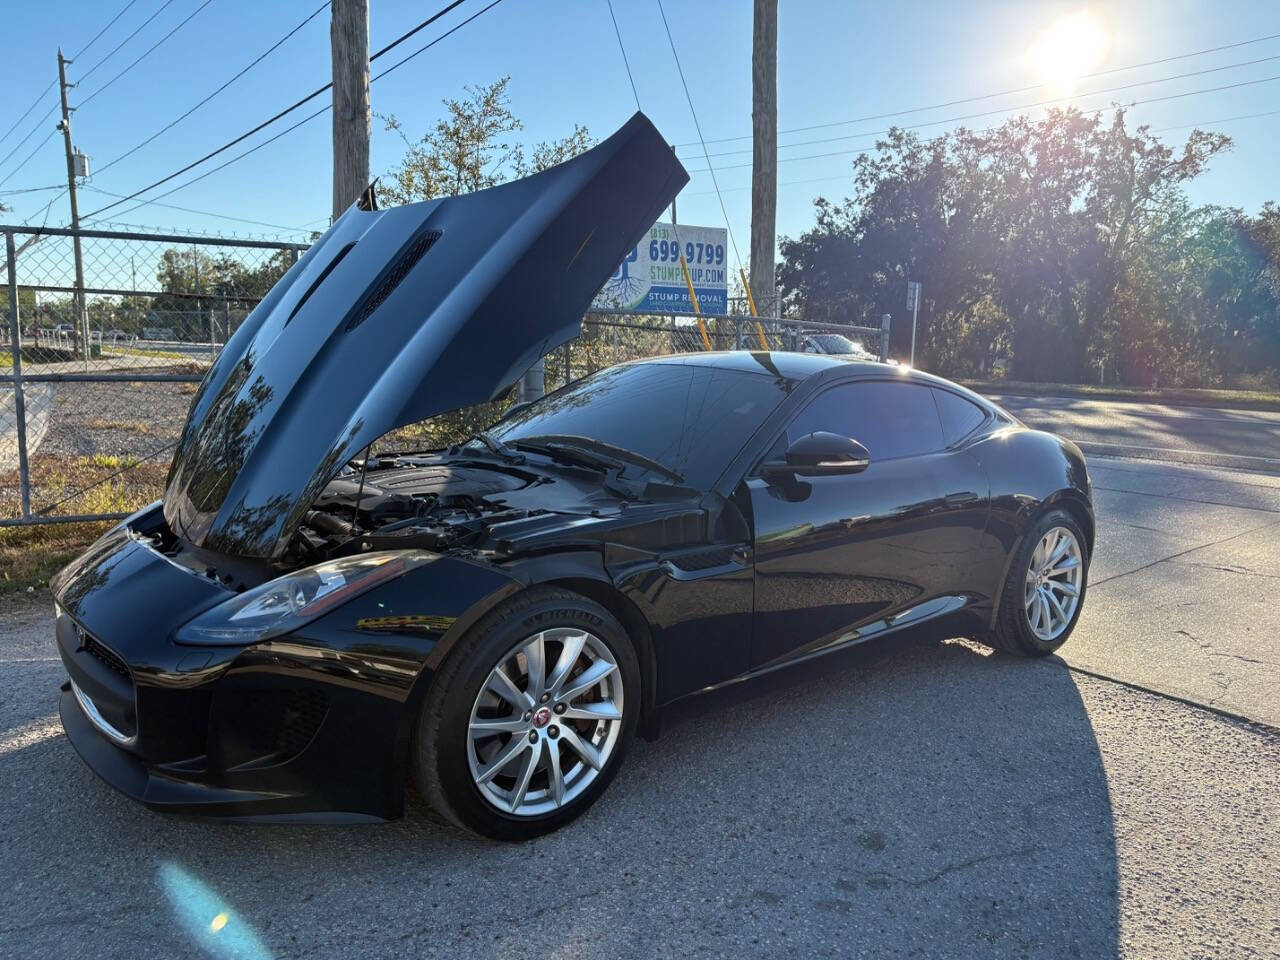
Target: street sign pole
column 913, row 304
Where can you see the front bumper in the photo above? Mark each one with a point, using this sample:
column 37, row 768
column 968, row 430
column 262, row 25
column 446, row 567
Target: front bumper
column 167, row 791
column 310, row 726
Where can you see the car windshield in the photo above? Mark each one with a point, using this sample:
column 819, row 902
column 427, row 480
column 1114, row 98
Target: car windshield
column 690, row 418
column 836, row 343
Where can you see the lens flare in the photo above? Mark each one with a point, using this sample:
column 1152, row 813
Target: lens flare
column 1070, row 46
column 194, row 902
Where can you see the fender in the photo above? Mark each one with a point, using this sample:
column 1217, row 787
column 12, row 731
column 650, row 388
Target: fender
column 1031, row 483
column 422, row 614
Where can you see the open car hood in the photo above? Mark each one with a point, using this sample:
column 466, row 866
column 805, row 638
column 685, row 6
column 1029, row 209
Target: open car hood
column 394, row 316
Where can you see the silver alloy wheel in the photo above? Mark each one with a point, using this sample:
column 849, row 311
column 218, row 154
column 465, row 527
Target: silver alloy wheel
column 1054, row 578
column 545, row 722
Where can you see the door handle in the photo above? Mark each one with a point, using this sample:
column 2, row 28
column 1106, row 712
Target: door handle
column 742, row 555
column 960, row 499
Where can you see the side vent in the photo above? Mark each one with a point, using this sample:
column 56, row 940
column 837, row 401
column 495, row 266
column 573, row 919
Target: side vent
column 316, row 283
column 407, row 260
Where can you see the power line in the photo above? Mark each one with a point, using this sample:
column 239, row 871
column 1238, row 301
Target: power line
column 142, row 26
column 28, row 157
column 56, row 186
column 625, row 62
column 1205, row 123
column 934, row 123
column 48, row 113
column 97, row 36
column 78, row 53
column 289, row 109
column 208, row 213
column 306, row 119
column 1031, row 106
column 173, row 123
column 1002, row 93
column 31, row 133
column 147, row 53
column 423, row 49
column 697, row 126
column 45, row 212
column 845, row 176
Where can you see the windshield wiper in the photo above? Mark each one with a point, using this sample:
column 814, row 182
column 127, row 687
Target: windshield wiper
column 568, row 454
column 610, row 470
column 607, row 454
column 497, row 447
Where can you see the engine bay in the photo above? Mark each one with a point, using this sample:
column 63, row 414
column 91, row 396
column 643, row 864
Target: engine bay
column 402, row 502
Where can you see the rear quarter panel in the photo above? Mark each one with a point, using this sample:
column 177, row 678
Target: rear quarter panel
column 1029, row 471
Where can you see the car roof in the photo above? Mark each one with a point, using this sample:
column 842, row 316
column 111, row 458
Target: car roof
column 799, row 367
column 792, row 366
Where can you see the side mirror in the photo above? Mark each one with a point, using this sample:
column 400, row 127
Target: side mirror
column 820, row 454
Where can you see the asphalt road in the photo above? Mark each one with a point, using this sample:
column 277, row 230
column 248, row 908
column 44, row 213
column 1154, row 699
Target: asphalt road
column 903, row 799
column 1247, row 439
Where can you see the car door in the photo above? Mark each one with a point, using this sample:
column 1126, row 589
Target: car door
column 966, row 495
column 833, row 553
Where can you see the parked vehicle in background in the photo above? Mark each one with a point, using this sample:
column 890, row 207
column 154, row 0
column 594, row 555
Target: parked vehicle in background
column 835, row 345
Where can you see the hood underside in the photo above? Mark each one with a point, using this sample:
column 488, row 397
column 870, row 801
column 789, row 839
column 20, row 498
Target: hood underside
column 398, row 315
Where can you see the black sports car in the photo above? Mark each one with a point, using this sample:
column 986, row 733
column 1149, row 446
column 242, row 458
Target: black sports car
column 297, row 629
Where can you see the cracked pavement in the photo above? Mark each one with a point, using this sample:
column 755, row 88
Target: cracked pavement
column 1185, row 572
column 901, row 799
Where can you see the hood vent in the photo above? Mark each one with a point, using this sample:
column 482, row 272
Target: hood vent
column 414, row 251
column 319, row 280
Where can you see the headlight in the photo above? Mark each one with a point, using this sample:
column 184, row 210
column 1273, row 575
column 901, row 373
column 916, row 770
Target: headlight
column 297, row 598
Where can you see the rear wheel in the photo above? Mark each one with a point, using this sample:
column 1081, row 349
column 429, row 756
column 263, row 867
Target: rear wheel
column 527, row 721
column 1044, row 592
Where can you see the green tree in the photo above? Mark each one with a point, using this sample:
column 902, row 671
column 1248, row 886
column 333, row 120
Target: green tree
column 920, row 209
column 471, row 148
column 1057, row 243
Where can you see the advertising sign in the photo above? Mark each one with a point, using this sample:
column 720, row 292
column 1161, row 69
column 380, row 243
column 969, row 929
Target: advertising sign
column 650, row 278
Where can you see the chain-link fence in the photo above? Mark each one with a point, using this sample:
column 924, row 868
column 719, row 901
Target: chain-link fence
column 96, row 377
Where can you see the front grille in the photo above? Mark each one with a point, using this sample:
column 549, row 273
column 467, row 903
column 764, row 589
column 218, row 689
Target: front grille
column 104, row 655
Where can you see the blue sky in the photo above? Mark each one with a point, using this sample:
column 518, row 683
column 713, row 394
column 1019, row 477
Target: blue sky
column 837, row 61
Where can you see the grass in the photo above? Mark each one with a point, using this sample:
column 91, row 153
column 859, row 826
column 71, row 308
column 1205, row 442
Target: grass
column 42, row 354
column 136, row 351
column 1187, row 396
column 30, row 556
column 108, row 461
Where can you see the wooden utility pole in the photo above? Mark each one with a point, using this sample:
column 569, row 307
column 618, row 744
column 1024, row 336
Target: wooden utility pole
column 77, row 301
column 349, row 46
column 764, row 155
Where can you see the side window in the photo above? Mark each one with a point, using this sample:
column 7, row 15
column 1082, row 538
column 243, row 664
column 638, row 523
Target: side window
column 891, row 419
column 959, row 416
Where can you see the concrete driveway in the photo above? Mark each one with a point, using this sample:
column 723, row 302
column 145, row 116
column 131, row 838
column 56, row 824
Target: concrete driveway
column 903, row 799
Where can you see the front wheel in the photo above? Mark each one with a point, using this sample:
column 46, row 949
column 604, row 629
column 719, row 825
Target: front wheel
column 1044, row 592
column 528, row 718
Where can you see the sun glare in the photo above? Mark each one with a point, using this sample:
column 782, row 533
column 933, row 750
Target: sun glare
column 1069, row 47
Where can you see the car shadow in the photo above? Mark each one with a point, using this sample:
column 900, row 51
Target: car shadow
column 903, row 799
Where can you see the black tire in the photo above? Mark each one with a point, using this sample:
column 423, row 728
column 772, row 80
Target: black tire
column 1013, row 633
column 438, row 759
